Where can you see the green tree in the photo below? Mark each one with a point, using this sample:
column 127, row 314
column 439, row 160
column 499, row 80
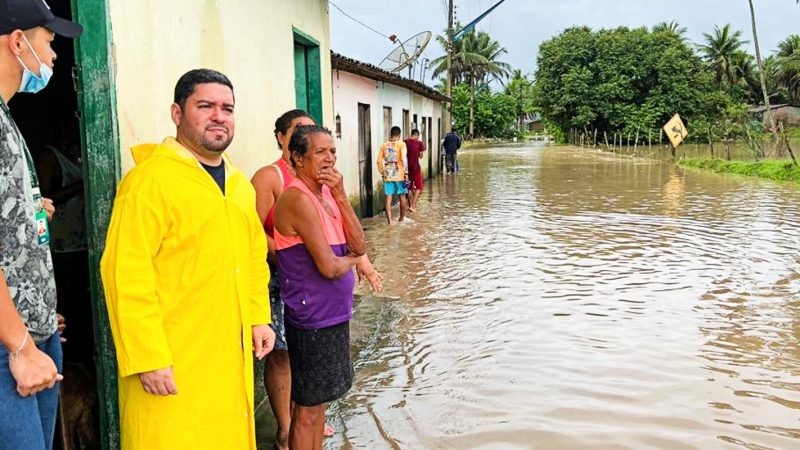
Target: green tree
column 672, row 27
column 787, row 62
column 475, row 62
column 720, row 50
column 623, row 80
column 520, row 88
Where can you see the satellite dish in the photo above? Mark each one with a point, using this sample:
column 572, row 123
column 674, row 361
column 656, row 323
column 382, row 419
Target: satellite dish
column 406, row 53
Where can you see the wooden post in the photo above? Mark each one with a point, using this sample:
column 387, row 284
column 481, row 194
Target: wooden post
column 710, row 141
column 636, row 143
column 786, row 140
column 595, row 138
column 605, row 138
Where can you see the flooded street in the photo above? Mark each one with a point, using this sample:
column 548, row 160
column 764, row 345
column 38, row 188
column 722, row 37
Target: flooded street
column 550, row 297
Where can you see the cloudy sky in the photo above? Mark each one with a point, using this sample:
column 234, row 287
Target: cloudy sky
column 520, row 25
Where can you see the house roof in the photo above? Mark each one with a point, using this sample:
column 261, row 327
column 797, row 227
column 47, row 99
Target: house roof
column 761, row 109
column 339, row 62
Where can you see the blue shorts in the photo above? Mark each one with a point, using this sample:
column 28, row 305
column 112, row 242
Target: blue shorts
column 276, row 309
column 394, row 187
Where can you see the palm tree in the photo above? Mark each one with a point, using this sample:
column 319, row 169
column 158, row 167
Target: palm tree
column 771, row 120
column 464, row 57
column 519, row 86
column 788, row 67
column 475, row 61
column 673, row 28
column 719, row 51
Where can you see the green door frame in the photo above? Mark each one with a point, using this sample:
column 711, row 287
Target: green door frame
column 308, row 74
column 100, row 144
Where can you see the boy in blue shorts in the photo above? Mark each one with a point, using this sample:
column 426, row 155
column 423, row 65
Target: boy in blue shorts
column 392, row 166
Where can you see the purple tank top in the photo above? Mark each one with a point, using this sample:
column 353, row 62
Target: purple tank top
column 313, row 301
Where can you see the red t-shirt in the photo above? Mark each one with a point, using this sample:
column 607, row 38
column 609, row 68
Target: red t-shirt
column 414, row 148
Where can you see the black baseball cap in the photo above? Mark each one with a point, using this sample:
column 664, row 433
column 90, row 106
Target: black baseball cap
column 27, row 14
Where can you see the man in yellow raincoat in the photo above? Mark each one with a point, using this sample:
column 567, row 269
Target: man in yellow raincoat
column 185, row 277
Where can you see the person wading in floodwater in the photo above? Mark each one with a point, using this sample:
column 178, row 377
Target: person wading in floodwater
column 452, row 142
column 392, row 166
column 416, row 149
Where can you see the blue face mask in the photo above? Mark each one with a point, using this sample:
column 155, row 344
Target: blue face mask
column 31, row 83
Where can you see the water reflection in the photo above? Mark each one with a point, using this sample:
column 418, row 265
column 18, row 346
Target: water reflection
column 560, row 298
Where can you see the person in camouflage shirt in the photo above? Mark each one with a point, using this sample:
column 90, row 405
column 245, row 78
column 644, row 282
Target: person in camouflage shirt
column 30, row 357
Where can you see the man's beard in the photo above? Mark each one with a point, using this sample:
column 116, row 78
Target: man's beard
column 215, row 146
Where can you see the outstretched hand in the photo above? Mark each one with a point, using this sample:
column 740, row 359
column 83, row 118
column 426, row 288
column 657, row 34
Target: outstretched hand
column 366, row 271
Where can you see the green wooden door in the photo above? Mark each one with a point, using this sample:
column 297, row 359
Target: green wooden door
column 308, row 75
column 301, row 76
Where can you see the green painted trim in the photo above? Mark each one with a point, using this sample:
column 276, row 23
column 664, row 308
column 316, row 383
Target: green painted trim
column 304, row 38
column 100, row 143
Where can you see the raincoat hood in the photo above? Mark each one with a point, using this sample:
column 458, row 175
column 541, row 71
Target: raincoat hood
column 170, row 148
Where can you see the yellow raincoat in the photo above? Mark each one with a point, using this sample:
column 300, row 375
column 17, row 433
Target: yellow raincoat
column 185, row 278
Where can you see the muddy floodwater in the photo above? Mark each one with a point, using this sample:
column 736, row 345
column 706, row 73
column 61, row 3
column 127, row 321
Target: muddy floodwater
column 558, row 298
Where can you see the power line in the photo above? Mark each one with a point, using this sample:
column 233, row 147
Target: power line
column 358, row 21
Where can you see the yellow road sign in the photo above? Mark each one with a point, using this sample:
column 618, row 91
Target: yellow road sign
column 676, row 130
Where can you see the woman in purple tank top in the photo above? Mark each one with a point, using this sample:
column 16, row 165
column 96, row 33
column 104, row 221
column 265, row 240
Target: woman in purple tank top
column 319, row 241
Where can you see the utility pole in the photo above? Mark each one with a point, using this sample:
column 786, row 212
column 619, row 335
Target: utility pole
column 450, row 61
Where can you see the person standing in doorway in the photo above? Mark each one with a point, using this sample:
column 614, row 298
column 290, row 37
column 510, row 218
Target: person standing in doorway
column 391, row 165
column 185, row 276
column 30, row 354
column 452, row 142
column 270, row 182
column 416, row 149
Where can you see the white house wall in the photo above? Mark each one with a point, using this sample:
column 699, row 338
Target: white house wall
column 348, row 91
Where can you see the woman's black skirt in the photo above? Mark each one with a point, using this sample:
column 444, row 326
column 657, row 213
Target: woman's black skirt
column 320, row 361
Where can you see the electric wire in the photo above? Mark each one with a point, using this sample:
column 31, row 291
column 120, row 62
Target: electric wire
column 358, row 21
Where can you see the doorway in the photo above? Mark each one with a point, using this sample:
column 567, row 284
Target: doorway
column 430, row 148
column 365, row 159
column 406, row 124
column 438, row 146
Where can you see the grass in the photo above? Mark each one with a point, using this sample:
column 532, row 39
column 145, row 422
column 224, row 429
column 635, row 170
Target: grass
column 780, row 170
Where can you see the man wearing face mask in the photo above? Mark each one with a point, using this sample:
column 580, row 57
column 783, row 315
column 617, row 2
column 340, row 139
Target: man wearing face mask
column 30, row 354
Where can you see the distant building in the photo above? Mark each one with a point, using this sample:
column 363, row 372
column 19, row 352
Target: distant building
column 532, row 122
column 367, row 102
column 787, row 115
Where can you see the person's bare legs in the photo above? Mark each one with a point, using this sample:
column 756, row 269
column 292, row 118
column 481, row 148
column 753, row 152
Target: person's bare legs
column 414, row 199
column 402, row 208
column 319, row 430
column 389, row 208
column 278, row 380
column 307, row 427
